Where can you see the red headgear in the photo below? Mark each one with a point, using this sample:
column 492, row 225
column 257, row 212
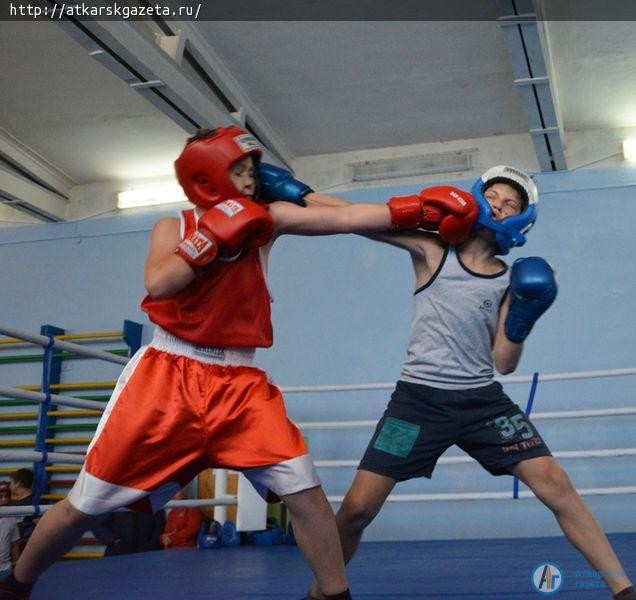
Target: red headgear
column 203, row 167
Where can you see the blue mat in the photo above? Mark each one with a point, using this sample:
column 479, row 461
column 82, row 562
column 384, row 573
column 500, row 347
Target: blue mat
column 458, row 569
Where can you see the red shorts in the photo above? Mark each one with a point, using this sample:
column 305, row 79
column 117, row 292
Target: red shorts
column 172, row 416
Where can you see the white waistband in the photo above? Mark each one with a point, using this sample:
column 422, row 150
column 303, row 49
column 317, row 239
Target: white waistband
column 162, row 340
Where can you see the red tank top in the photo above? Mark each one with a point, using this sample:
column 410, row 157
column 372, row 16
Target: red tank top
column 227, row 306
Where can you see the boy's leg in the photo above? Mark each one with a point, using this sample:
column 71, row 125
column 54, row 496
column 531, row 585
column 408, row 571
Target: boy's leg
column 56, row 533
column 362, row 503
column 553, row 487
column 317, row 537
column 109, row 479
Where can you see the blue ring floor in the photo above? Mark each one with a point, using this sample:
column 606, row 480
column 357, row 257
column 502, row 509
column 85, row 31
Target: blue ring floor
column 496, row 569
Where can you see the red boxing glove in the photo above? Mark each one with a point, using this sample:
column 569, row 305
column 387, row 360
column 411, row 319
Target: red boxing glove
column 199, row 248
column 230, row 226
column 406, row 212
column 448, row 209
column 238, row 224
column 456, row 229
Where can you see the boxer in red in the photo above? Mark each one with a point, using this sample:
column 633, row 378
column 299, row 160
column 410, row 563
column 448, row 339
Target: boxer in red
column 193, row 398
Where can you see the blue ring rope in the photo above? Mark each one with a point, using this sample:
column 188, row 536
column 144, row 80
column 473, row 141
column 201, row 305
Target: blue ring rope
column 533, row 391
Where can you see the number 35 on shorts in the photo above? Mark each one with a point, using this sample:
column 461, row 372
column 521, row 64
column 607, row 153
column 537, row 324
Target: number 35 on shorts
column 512, row 426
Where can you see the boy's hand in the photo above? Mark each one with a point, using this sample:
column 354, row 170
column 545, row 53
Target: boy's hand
column 226, row 228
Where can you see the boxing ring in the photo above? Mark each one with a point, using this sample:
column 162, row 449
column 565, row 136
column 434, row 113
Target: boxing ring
column 462, row 568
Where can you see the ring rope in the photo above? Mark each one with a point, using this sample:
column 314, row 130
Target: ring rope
column 79, row 403
column 55, row 398
column 69, row 336
column 503, row 380
column 78, row 459
column 19, row 511
column 34, row 456
column 565, row 414
column 577, row 414
column 491, row 495
column 454, row 460
column 43, row 340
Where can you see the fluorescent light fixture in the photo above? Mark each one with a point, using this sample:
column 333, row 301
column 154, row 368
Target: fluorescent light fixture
column 149, row 196
column 629, row 149
column 412, row 166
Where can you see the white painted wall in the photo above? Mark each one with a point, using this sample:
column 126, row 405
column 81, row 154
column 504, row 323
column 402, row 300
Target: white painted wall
column 342, row 309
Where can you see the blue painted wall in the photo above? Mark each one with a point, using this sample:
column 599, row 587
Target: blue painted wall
column 342, row 309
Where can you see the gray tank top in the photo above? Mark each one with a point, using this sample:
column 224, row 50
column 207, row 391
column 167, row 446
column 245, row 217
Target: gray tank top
column 454, row 325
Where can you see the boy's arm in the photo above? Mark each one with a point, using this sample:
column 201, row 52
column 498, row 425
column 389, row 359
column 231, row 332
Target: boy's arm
column 506, row 354
column 326, row 220
column 165, row 272
column 318, row 199
column 419, row 243
column 446, row 209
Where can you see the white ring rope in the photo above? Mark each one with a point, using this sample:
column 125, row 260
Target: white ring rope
column 43, row 340
column 55, row 398
column 20, row 511
column 576, row 414
column 565, row 414
column 454, row 460
column 33, row 456
column 491, row 495
column 78, row 459
column 503, row 380
column 232, row 501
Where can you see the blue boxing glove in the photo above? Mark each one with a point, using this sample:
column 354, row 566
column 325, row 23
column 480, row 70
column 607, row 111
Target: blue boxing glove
column 533, row 289
column 278, row 184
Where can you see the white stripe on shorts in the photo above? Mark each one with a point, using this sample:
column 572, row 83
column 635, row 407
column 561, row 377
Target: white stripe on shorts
column 283, row 478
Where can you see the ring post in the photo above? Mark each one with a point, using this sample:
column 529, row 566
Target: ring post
column 132, row 336
column 51, row 370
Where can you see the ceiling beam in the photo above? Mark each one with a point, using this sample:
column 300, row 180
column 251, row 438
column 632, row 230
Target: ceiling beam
column 130, row 54
column 192, row 42
column 29, row 197
column 24, row 159
column 530, row 61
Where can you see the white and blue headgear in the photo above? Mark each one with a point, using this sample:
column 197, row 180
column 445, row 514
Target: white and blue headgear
column 509, row 232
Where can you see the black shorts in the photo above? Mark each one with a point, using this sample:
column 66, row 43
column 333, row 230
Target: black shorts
column 421, row 422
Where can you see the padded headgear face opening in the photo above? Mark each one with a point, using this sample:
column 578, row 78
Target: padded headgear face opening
column 523, row 194
column 510, row 232
column 203, row 168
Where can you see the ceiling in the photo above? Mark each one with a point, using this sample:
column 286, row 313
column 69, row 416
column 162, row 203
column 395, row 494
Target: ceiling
column 87, row 108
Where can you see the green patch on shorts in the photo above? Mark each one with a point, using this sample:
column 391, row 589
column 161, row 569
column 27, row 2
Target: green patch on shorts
column 397, row 437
